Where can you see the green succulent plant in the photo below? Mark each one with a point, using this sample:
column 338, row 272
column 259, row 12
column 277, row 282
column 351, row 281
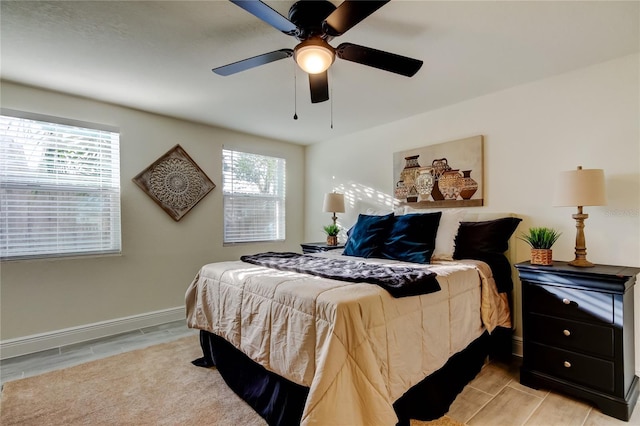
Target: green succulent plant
column 540, row 238
column 332, row 230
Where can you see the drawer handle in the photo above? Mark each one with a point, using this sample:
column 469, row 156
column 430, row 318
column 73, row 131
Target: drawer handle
column 567, row 364
column 566, row 333
column 566, row 301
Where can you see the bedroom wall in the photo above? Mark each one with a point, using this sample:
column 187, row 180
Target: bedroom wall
column 588, row 117
column 159, row 257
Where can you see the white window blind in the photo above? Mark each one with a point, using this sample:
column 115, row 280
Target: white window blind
column 254, row 197
column 59, row 189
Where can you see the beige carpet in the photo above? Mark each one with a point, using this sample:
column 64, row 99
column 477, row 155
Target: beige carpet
column 152, row 386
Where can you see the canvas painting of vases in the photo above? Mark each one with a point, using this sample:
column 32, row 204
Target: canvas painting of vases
column 441, row 175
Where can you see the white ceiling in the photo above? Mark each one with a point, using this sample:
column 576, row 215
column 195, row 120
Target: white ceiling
column 157, row 56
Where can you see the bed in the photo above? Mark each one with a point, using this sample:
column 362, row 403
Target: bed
column 302, row 347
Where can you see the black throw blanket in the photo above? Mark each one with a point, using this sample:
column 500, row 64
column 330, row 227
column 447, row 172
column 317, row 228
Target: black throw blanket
column 399, row 281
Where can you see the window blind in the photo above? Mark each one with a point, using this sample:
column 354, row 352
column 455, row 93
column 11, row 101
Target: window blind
column 254, row 197
column 59, row 189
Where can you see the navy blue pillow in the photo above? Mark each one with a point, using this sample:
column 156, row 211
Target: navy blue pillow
column 368, row 235
column 412, row 238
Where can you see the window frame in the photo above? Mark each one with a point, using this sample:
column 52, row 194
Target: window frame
column 113, row 191
column 280, row 183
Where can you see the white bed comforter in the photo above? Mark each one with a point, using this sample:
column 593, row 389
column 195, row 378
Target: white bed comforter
column 357, row 348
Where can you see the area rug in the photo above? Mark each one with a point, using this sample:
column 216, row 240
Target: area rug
column 157, row 385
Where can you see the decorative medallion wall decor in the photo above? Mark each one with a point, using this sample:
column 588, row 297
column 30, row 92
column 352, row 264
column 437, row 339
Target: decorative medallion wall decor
column 175, row 182
column 442, row 175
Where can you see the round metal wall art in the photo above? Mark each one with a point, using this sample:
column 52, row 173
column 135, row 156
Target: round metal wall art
column 175, row 182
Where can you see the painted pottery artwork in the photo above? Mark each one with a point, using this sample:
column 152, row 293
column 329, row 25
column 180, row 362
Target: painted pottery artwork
column 412, row 197
column 450, row 184
column 441, row 175
column 410, row 171
column 469, row 186
column 401, row 190
column 407, row 190
column 439, row 167
column 424, row 183
column 435, row 192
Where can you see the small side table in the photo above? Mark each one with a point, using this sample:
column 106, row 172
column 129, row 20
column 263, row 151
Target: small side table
column 578, row 333
column 318, row 247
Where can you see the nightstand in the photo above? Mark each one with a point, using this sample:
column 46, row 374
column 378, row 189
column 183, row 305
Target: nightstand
column 578, row 333
column 318, row 247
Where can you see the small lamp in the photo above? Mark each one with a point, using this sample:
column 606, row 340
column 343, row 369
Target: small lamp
column 578, row 188
column 334, row 203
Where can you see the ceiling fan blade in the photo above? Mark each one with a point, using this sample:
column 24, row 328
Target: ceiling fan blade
column 319, row 84
column 264, row 12
column 253, row 62
column 348, row 14
column 378, row 59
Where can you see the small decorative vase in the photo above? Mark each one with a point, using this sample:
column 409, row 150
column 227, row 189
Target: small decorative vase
column 332, row 240
column 410, row 172
column 469, row 186
column 401, row 191
column 435, row 192
column 412, row 196
column 541, row 257
column 450, row 183
column 424, row 183
column 440, row 166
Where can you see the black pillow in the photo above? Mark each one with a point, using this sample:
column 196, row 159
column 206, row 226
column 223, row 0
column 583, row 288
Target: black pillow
column 368, row 235
column 487, row 241
column 412, row 238
column 491, row 236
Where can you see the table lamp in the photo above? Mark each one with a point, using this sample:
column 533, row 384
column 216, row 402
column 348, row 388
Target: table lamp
column 334, row 203
column 578, row 188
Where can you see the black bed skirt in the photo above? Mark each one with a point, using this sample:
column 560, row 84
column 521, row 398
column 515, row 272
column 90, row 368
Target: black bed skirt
column 281, row 402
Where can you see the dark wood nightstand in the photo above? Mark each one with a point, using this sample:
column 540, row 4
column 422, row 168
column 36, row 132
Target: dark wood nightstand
column 578, row 333
column 318, row 247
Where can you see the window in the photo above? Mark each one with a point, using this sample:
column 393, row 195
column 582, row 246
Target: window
column 254, row 197
column 59, row 188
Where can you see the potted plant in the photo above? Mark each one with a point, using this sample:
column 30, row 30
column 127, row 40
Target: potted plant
column 332, row 234
column 541, row 239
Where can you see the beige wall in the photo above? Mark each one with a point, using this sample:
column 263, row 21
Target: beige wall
column 159, row 256
column 588, row 117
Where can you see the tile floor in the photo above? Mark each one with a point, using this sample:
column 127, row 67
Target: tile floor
column 494, row 398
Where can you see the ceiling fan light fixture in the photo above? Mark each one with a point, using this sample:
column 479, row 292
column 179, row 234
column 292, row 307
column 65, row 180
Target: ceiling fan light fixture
column 314, row 55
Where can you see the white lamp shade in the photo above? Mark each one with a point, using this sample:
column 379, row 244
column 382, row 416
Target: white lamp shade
column 333, row 202
column 581, row 187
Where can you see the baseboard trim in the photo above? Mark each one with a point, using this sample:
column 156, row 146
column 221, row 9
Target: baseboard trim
column 39, row 342
column 516, row 345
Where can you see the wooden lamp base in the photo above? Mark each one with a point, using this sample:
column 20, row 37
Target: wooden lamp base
column 581, row 246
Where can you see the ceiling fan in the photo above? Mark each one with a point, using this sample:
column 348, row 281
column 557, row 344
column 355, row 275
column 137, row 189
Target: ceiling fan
column 315, row 23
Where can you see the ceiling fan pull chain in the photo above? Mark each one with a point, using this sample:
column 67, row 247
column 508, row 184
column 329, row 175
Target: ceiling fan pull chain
column 331, row 99
column 295, row 93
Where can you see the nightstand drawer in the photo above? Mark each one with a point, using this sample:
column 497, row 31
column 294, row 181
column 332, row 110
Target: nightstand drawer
column 572, row 335
column 569, row 303
column 583, row 369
